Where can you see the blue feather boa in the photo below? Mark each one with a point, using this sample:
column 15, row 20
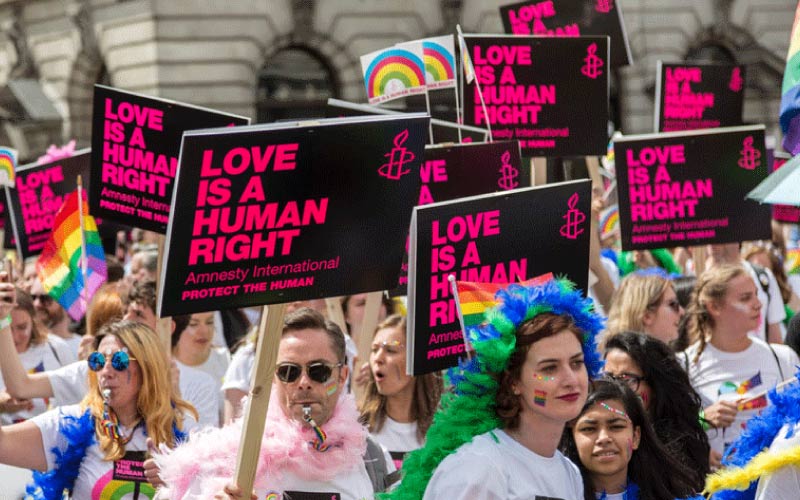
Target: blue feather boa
column 632, row 493
column 79, row 433
column 784, row 409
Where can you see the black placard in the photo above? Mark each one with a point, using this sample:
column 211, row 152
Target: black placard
column 137, row 140
column 39, row 193
column 688, row 188
column 697, row 96
column 571, row 18
column 463, row 170
column 550, row 94
column 323, row 211
column 499, row 238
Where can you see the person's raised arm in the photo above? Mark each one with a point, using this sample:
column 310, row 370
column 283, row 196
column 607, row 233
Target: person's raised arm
column 19, row 383
column 21, row 445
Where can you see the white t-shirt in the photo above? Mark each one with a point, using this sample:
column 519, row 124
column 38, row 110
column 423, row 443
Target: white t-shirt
column 98, row 479
column 398, row 438
column 241, row 369
column 772, row 310
column 70, row 385
column 718, row 375
column 353, row 485
column 496, row 467
column 216, row 364
column 785, row 482
column 73, row 341
column 39, row 358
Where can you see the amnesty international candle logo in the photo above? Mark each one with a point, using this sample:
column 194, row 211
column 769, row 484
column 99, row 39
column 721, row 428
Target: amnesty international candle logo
column 593, row 63
column 398, row 157
column 604, row 6
column 750, row 158
column 736, row 82
column 571, row 229
column 508, row 174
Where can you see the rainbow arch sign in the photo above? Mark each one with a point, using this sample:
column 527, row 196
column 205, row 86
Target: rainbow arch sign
column 394, row 72
column 8, row 165
column 440, row 62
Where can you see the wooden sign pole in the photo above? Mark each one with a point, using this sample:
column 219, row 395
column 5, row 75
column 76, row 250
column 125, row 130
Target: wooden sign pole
column 538, row 171
column 335, row 313
column 372, row 310
column 255, row 413
column 163, row 325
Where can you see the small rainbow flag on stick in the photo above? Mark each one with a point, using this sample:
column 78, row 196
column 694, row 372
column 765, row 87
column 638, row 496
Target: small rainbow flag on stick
column 790, row 91
column 474, row 299
column 72, row 265
column 394, row 72
column 440, row 62
column 8, row 165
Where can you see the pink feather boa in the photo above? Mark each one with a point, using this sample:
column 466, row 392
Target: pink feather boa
column 208, row 460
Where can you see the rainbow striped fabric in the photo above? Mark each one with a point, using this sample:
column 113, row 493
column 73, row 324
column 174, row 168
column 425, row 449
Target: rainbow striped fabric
column 466, row 60
column 474, row 299
column 8, row 165
column 59, row 265
column 790, row 92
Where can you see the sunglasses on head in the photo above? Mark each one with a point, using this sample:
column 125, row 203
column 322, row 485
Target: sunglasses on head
column 120, row 361
column 319, row 371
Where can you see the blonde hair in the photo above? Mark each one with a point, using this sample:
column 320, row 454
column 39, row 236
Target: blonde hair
column 156, row 401
column 427, row 392
column 712, row 286
column 106, row 306
column 635, row 295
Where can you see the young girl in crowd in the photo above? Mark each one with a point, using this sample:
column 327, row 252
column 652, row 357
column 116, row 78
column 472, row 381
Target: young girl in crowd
column 649, row 368
column 726, row 366
column 397, row 408
column 496, row 435
column 645, row 302
column 617, row 452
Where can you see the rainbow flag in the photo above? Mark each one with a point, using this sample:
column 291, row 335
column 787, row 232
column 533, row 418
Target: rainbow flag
column 466, row 60
column 59, row 265
column 790, row 92
column 8, row 165
column 748, row 384
column 753, row 404
column 439, row 55
column 394, row 72
column 609, row 221
column 474, row 299
column 793, row 261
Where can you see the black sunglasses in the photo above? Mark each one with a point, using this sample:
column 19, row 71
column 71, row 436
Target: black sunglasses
column 631, row 381
column 120, row 361
column 319, row 371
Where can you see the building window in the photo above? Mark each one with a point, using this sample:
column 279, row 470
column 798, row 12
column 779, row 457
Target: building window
column 294, row 84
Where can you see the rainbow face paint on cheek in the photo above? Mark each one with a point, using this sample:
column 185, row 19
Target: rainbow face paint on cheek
column 539, row 397
column 331, row 387
column 543, row 378
column 613, row 410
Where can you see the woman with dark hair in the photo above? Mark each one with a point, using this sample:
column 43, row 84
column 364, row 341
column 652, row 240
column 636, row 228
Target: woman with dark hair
column 397, row 408
column 648, row 367
column 496, row 435
column 617, row 451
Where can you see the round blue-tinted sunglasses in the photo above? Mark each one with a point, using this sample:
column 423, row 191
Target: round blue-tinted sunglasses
column 120, row 361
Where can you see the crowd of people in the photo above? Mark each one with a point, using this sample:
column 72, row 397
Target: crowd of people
column 556, row 400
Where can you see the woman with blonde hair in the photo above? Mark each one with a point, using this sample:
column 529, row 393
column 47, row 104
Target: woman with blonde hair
column 728, row 368
column 397, row 408
column 96, row 448
column 645, row 302
column 106, row 306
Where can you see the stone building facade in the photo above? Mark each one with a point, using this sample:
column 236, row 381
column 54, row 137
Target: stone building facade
column 272, row 59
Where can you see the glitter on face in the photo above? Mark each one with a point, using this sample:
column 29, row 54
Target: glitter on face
column 544, row 378
column 539, row 397
column 613, row 410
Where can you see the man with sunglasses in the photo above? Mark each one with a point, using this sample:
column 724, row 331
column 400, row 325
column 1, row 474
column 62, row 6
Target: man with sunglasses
column 313, row 444
column 53, row 316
